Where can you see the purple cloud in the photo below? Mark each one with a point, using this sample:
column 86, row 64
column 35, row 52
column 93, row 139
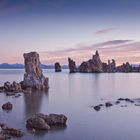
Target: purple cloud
column 105, row 31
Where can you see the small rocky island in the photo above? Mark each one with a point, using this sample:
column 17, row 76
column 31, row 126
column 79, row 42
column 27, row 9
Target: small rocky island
column 95, row 65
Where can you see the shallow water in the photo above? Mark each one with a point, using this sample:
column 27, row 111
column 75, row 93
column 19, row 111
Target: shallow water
column 73, row 95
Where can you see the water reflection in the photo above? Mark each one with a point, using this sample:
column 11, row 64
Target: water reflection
column 55, row 129
column 33, row 102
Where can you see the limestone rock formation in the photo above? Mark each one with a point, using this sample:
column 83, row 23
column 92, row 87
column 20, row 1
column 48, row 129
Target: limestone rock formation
column 37, row 123
column 72, row 65
column 33, row 78
column 44, row 122
column 111, row 66
column 12, row 87
column 125, row 67
column 92, row 65
column 57, row 67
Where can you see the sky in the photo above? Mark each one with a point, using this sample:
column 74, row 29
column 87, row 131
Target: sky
column 58, row 29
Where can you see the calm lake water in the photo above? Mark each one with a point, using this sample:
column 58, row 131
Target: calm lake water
column 73, row 95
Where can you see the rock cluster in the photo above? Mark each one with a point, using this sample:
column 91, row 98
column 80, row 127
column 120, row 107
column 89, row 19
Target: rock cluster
column 72, row 65
column 126, row 67
column 120, row 101
column 92, row 65
column 44, row 122
column 57, row 67
column 12, row 87
column 95, row 65
column 33, row 78
column 7, row 132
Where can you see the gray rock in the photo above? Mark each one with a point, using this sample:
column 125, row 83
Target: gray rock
column 55, row 119
column 12, row 132
column 33, row 78
column 37, row 123
column 12, row 87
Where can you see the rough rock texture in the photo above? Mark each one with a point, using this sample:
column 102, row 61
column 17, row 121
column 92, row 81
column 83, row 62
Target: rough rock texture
column 72, row 65
column 12, row 132
column 55, row 119
column 57, row 67
column 33, row 78
column 7, row 106
column 126, row 67
column 92, row 65
column 111, row 66
column 37, row 123
column 44, row 122
column 12, row 87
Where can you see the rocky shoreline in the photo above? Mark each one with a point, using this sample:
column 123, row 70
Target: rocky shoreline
column 34, row 80
column 121, row 101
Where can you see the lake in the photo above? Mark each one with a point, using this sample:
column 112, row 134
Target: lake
column 73, row 95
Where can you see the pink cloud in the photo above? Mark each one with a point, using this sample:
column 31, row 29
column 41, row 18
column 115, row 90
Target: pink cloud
column 120, row 50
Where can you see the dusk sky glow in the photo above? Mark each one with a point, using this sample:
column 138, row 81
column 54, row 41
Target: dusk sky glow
column 59, row 29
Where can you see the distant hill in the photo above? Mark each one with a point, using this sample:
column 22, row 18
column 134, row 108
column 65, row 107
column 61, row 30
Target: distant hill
column 21, row 66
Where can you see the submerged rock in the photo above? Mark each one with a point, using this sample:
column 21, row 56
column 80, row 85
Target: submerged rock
column 33, row 78
column 12, row 87
column 57, row 67
column 72, row 65
column 97, row 108
column 7, row 106
column 37, row 123
column 55, row 119
column 44, row 122
column 108, row 104
column 12, row 132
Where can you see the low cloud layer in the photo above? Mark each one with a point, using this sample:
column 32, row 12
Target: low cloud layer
column 120, row 50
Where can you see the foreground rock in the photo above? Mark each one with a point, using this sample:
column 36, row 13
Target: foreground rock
column 37, row 123
column 7, row 132
column 57, row 67
column 44, row 122
column 12, row 87
column 33, row 78
column 12, row 132
column 55, row 119
column 7, row 106
column 72, row 65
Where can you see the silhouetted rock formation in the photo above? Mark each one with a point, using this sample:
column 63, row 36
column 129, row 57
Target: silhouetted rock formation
column 95, row 65
column 125, row 68
column 72, row 65
column 57, row 67
column 92, row 65
column 111, row 66
column 33, row 78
